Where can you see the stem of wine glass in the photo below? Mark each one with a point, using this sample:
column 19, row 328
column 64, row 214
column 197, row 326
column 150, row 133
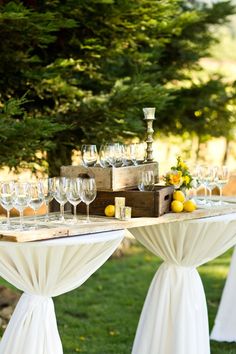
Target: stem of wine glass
column 87, row 219
column 47, row 212
column 8, row 219
column 205, row 193
column 21, row 220
column 35, row 219
column 210, row 194
column 75, row 216
column 221, row 192
column 62, row 217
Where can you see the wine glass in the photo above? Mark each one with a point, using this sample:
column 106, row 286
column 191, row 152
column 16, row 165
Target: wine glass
column 88, row 193
column 140, row 153
column 21, row 199
column 36, row 199
column 6, row 199
column 48, row 185
column 111, row 154
column 133, row 153
column 73, row 191
column 222, row 178
column 146, row 181
column 202, row 173
column 127, row 161
column 119, row 154
column 89, row 155
column 103, row 156
column 210, row 178
column 59, row 194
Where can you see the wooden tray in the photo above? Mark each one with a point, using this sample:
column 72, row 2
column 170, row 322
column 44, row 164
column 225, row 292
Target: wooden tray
column 103, row 224
column 111, row 178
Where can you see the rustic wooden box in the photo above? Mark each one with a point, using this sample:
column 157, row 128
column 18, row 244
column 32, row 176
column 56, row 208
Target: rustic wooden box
column 112, row 178
column 146, row 204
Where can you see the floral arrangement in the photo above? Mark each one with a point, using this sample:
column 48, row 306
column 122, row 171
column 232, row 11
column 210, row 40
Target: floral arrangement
column 179, row 176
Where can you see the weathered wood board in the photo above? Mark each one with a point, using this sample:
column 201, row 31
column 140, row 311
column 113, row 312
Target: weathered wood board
column 101, row 224
column 112, row 178
column 143, row 204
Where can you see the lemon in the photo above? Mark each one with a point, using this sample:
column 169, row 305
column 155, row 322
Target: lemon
column 189, row 205
column 110, row 210
column 179, row 195
column 177, row 206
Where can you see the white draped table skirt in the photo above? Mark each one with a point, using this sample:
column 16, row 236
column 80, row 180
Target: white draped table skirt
column 224, row 329
column 174, row 318
column 43, row 270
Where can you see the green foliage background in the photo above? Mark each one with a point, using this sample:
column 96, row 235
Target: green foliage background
column 85, row 70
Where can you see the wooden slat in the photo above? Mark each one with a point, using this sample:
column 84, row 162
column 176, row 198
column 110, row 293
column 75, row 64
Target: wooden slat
column 111, row 178
column 100, row 224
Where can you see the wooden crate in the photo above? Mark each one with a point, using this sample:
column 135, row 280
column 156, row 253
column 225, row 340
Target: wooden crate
column 146, row 204
column 111, row 178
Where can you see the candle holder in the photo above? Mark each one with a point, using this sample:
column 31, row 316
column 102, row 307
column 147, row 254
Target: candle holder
column 149, row 116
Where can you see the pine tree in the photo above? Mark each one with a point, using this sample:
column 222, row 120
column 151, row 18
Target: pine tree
column 89, row 67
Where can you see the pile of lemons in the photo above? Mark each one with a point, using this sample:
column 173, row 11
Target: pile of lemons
column 179, row 203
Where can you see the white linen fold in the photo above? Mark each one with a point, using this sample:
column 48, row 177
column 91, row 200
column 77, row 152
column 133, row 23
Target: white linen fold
column 43, row 270
column 224, row 329
column 174, row 318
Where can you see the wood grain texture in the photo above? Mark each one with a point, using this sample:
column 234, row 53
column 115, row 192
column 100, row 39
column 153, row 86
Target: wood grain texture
column 111, row 178
column 101, row 224
column 143, row 204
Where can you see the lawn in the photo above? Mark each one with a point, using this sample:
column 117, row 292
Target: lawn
column 102, row 315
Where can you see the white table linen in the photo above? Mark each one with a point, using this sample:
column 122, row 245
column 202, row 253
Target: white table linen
column 224, row 329
column 174, row 318
column 43, row 270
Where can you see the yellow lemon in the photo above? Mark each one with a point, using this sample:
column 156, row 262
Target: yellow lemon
column 189, row 205
column 110, row 210
column 177, row 206
column 179, row 195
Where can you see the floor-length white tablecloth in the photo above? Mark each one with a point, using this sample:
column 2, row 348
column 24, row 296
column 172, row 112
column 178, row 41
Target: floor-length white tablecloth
column 174, row 318
column 44, row 270
column 225, row 323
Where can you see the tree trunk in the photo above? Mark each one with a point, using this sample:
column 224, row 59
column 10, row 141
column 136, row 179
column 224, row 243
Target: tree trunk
column 226, row 154
column 60, row 156
column 198, row 142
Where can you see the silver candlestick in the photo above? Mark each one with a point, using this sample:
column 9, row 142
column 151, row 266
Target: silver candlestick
column 149, row 116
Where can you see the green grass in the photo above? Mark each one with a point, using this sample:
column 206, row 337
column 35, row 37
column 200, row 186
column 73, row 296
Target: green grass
column 102, row 315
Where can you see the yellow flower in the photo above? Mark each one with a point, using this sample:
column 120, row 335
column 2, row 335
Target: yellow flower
column 182, row 165
column 186, row 179
column 175, row 178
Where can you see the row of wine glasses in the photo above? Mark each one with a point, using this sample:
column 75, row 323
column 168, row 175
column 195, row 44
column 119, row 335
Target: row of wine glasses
column 74, row 190
column 20, row 195
column 115, row 155
column 210, row 177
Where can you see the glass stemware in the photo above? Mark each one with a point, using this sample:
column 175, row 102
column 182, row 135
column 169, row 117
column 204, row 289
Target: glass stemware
column 103, row 156
column 60, row 194
column 48, row 185
column 73, row 192
column 21, row 199
column 88, row 193
column 133, row 153
column 141, row 153
column 210, row 178
column 203, row 171
column 222, row 178
column 6, row 199
column 89, row 155
column 146, row 181
column 36, row 199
